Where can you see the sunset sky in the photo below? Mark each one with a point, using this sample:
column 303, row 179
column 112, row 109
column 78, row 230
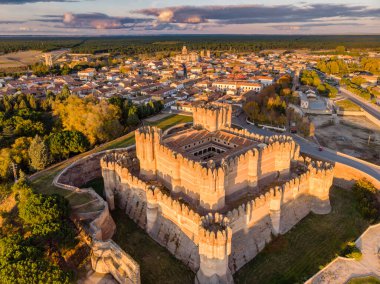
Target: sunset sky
column 143, row 17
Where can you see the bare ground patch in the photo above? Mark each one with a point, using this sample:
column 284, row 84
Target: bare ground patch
column 355, row 136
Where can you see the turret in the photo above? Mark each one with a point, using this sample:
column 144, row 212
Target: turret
column 214, row 248
column 321, row 178
column 147, row 142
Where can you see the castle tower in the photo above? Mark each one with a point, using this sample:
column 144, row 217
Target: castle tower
column 213, row 117
column 212, row 189
column 214, row 248
column 147, row 143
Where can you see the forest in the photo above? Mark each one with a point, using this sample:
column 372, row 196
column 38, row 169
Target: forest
column 133, row 45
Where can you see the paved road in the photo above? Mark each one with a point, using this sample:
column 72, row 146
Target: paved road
column 311, row 148
column 367, row 106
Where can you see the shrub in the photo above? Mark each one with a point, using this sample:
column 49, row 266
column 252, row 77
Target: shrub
column 351, row 251
column 365, row 192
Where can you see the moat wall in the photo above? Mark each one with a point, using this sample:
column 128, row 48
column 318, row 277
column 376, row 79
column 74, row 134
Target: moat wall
column 106, row 255
column 176, row 226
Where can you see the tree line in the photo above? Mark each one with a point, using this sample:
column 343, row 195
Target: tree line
column 37, row 132
column 133, row 45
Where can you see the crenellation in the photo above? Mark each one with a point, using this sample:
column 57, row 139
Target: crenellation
column 213, row 195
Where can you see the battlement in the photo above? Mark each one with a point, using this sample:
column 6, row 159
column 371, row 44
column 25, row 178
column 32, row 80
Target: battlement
column 215, row 236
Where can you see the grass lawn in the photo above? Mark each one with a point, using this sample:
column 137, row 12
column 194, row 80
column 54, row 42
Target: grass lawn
column 364, row 280
column 170, row 121
column 42, row 181
column 348, row 105
column 157, row 265
column 310, row 245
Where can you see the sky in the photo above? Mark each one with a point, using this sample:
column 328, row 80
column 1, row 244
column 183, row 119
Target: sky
column 153, row 17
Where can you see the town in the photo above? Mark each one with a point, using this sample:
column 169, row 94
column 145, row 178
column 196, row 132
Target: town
column 172, row 144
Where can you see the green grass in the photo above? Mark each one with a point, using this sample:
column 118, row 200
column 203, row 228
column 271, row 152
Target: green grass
column 157, row 265
column 310, row 245
column 364, row 280
column 348, row 105
column 170, row 121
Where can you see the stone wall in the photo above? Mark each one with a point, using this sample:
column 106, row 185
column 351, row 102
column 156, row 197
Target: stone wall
column 345, row 176
column 106, row 255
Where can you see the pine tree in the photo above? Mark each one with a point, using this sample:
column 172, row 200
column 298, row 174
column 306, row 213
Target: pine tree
column 39, row 153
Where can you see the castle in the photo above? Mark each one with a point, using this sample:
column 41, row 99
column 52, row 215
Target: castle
column 214, row 195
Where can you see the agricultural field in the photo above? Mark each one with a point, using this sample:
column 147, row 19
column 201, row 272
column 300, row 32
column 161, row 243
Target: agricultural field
column 19, row 59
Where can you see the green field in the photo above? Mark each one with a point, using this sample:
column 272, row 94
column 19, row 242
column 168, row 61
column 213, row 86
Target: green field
column 364, row 280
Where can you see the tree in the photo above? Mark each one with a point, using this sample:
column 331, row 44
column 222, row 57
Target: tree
column 26, row 251
column 63, row 143
column 19, row 151
column 5, row 163
column 98, row 121
column 65, row 93
column 39, row 154
column 133, row 118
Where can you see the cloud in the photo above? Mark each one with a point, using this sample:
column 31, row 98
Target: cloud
column 20, row 2
column 102, row 21
column 92, row 21
column 252, row 14
column 6, row 22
